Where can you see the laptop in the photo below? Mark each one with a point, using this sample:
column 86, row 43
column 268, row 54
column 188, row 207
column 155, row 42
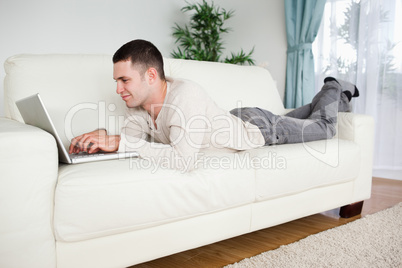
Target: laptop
column 34, row 113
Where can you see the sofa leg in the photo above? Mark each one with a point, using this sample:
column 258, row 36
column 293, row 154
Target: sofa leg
column 351, row 210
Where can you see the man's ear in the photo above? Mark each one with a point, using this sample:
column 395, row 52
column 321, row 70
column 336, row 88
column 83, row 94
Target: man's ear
column 152, row 75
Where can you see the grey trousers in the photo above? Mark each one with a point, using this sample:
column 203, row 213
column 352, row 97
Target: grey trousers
column 311, row 122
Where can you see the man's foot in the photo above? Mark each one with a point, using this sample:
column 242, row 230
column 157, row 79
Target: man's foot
column 348, row 88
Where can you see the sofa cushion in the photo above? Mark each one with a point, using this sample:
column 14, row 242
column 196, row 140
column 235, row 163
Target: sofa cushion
column 253, row 86
column 291, row 168
column 109, row 197
column 85, row 98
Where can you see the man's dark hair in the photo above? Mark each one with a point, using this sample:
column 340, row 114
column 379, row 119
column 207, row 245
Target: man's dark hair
column 142, row 53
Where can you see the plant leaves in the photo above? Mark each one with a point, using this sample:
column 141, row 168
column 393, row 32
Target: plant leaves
column 202, row 38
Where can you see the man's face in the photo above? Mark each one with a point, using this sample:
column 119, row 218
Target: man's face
column 131, row 84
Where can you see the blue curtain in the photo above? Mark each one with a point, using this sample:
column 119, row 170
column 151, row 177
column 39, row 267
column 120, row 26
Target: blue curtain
column 303, row 18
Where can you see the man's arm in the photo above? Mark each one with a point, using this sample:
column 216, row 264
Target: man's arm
column 95, row 141
column 185, row 126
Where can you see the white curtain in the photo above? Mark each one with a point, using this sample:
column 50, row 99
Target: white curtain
column 361, row 41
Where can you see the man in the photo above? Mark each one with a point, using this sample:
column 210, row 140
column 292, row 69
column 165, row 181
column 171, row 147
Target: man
column 173, row 119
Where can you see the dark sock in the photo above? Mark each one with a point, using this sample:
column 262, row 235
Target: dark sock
column 329, row 78
column 356, row 94
column 349, row 89
column 348, row 94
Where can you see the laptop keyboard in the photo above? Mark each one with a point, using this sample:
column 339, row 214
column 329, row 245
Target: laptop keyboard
column 85, row 155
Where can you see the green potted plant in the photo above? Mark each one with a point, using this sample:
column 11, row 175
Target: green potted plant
column 202, row 40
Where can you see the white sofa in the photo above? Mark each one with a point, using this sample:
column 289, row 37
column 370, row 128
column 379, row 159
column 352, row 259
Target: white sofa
column 123, row 212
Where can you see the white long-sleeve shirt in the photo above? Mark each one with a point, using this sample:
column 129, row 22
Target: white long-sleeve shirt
column 188, row 122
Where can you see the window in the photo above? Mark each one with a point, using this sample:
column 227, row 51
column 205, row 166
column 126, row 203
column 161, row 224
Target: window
column 361, row 41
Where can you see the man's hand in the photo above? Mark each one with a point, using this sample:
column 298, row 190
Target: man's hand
column 95, row 141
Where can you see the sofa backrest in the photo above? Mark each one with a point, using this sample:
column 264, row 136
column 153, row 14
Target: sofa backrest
column 80, row 93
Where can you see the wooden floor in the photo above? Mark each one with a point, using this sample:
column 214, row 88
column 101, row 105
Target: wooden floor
column 385, row 194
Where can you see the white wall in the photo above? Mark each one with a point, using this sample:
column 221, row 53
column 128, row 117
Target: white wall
column 102, row 26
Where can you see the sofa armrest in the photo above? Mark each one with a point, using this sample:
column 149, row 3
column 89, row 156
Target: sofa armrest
column 29, row 167
column 360, row 129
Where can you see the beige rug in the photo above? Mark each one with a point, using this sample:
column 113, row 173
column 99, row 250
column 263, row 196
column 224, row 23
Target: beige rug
column 373, row 241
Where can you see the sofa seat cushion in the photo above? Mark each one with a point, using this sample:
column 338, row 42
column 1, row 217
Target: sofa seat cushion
column 292, row 168
column 110, row 197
